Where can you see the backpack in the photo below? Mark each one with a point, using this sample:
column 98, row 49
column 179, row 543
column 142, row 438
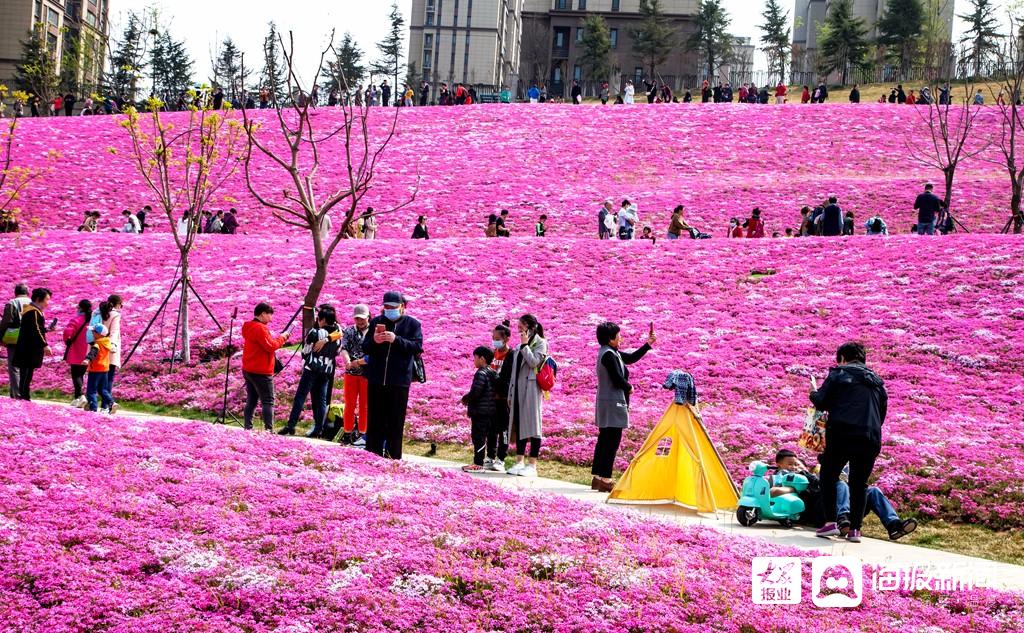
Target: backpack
column 11, row 326
column 546, row 374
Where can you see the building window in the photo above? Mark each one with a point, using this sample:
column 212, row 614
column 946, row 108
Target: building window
column 561, row 5
column 51, row 43
column 577, row 73
column 579, row 34
column 557, row 75
column 559, row 39
column 427, row 57
column 638, row 75
column 582, row 6
column 52, row 17
column 613, row 37
column 615, row 5
column 429, row 19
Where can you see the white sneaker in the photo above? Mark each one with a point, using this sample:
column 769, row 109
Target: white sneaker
column 77, row 402
column 113, row 408
column 104, row 411
column 528, row 471
column 518, row 468
column 361, row 442
column 496, row 466
column 488, row 462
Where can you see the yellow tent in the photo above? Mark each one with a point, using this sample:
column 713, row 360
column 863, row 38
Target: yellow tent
column 678, row 464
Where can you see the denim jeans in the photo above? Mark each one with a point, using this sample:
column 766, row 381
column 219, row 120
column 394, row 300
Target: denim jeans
column 671, row 236
column 926, row 228
column 875, row 502
column 315, row 384
column 98, row 383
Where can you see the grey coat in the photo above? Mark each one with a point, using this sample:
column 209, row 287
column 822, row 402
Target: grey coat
column 611, row 409
column 523, row 390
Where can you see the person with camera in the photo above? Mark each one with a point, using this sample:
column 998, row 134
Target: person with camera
column 258, row 360
column 928, row 207
column 319, row 350
column 392, row 345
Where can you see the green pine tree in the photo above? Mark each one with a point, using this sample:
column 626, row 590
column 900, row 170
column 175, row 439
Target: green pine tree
column 391, row 48
column 712, row 39
column 346, row 71
column 842, row 41
column 170, row 66
column 655, row 40
column 982, row 33
column 775, row 39
column 596, row 56
column 272, row 77
column 36, row 72
column 127, row 61
column 71, row 60
column 899, row 31
column 228, row 72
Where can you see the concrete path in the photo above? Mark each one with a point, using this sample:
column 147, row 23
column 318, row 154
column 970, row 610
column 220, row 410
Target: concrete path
column 870, row 551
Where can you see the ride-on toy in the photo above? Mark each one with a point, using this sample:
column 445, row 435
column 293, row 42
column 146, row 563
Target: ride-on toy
column 757, row 504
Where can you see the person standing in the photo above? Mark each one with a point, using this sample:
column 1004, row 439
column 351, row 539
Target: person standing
column 677, row 224
column 98, row 372
column 32, row 346
column 230, row 222
column 832, row 218
column 75, row 350
column 69, row 104
column 131, row 223
column 605, row 93
column 576, row 93
column 526, row 412
column 855, row 94
column 11, row 320
column 385, row 93
column 355, row 376
column 424, row 93
column 612, row 405
column 497, row 438
column 420, row 231
column 541, row 229
column 319, row 350
column 780, row 93
column 533, row 94
column 142, row 215
column 848, row 223
column 629, row 94
column 369, row 224
column 928, row 207
column 110, row 314
column 258, row 359
column 856, row 401
column 501, row 225
column 603, row 232
column 754, row 224
column 628, row 219
column 481, row 407
column 393, row 342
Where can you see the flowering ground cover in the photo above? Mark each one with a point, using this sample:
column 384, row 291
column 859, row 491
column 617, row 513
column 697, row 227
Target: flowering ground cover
column 563, row 161
column 127, row 526
column 751, row 320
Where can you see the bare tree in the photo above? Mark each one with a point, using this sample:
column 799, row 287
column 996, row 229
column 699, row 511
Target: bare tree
column 293, row 142
column 1010, row 56
column 536, row 50
column 184, row 164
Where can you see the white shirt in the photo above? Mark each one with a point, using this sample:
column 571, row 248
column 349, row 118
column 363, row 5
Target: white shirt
column 184, row 226
column 610, row 221
column 325, row 227
column 131, row 225
column 629, row 94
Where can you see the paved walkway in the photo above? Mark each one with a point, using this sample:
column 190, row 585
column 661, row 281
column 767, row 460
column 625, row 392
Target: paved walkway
column 870, row 551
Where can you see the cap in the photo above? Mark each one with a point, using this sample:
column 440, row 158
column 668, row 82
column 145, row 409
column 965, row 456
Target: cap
column 361, row 311
column 393, row 298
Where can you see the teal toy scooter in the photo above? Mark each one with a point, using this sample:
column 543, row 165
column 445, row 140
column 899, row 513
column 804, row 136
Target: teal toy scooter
column 757, row 504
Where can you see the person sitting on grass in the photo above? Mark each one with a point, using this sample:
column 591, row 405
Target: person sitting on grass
column 814, row 515
column 481, row 404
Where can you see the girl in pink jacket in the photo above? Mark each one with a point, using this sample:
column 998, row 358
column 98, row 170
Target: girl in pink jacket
column 76, row 347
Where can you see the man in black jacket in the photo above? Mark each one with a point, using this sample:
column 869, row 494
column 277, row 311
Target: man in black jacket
column 393, row 341
column 856, row 401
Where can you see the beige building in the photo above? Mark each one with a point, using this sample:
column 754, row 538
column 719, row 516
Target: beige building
column 64, row 22
column 462, row 41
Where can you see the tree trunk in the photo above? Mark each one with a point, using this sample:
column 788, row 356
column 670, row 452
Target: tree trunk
column 1018, row 219
column 316, row 286
column 186, row 344
column 948, row 172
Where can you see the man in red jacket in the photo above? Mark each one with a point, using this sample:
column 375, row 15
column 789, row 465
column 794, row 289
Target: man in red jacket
column 258, row 364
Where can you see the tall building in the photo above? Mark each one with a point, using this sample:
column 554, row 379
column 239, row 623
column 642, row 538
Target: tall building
column 461, row 41
column 66, row 24
column 809, row 15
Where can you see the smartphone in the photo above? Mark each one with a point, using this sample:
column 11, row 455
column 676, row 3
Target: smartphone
column 380, row 328
column 53, row 323
column 652, row 328
column 814, row 383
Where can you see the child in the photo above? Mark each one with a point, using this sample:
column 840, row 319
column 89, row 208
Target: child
column 481, row 405
column 541, row 228
column 99, row 365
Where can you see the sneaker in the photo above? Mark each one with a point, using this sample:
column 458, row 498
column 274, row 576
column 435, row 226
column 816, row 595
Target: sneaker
column 902, row 528
column 77, row 402
column 361, row 442
column 286, row 431
column 853, row 536
column 345, row 439
column 518, row 468
column 528, row 471
column 488, row 462
column 113, row 408
column 472, row 468
column 496, row 466
column 827, row 530
column 844, row 526
column 104, row 411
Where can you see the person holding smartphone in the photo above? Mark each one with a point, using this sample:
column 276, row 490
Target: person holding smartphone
column 258, row 355
column 32, row 347
column 392, row 343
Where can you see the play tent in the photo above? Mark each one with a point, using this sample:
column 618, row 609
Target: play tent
column 678, row 464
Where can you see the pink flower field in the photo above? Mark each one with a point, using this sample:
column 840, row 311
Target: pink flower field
column 751, row 320
column 564, row 161
column 126, row 526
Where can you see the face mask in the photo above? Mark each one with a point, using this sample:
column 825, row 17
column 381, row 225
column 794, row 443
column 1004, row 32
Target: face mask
column 392, row 314
column 498, row 344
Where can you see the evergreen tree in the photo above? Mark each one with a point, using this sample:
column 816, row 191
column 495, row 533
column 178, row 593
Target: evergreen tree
column 981, row 34
column 842, row 41
column 711, row 39
column 390, row 48
column 171, row 67
column 346, row 71
column 228, row 73
column 899, row 31
column 775, row 38
column 127, row 59
column 71, row 64
column 36, row 72
column 655, row 40
column 596, row 56
column 272, row 77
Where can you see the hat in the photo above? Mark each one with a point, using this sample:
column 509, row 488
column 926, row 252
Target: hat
column 361, row 311
column 783, row 454
column 393, row 298
column 100, row 329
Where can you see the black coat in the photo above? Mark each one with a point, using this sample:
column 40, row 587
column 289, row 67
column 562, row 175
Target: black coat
column 29, row 351
column 856, row 401
column 832, row 223
column 482, row 399
column 391, row 364
column 420, row 233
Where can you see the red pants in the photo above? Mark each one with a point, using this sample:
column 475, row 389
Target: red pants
column 355, row 390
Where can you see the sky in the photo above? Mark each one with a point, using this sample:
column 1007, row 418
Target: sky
column 203, row 23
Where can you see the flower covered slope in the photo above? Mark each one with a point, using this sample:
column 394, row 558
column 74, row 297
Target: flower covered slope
column 750, row 320
column 126, row 526
column 563, row 161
